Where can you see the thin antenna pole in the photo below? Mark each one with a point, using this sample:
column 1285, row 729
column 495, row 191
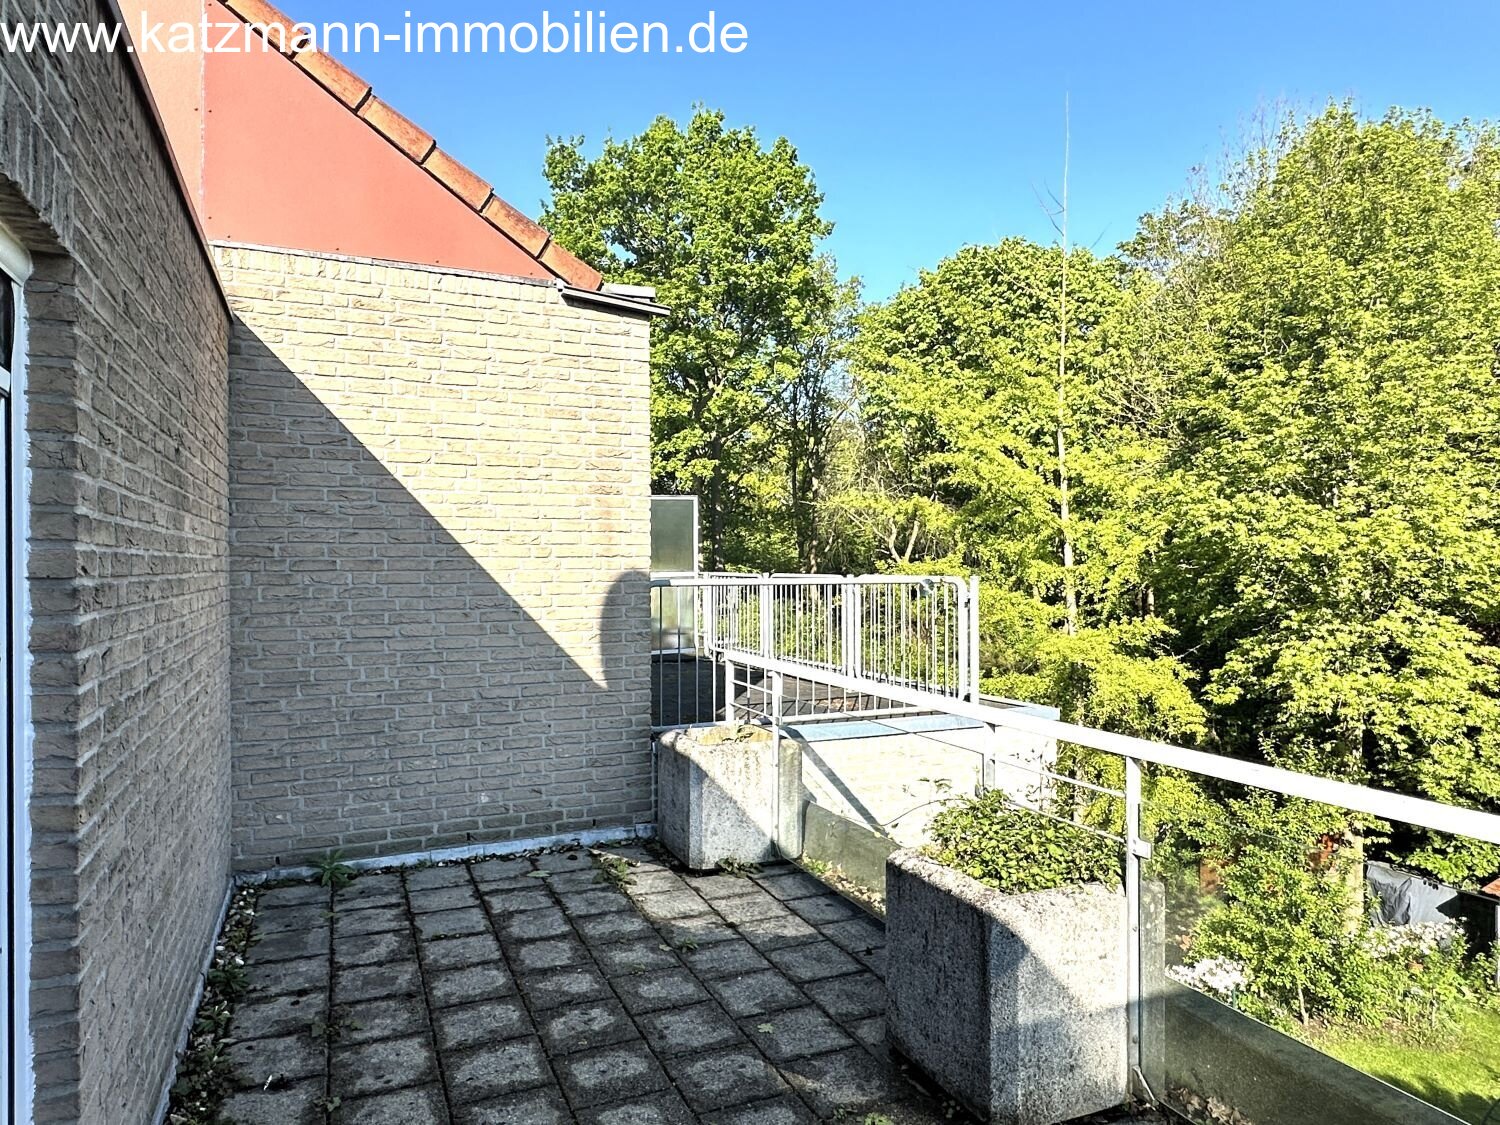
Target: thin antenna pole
column 1070, row 591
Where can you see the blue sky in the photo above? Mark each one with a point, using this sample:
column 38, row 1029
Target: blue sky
column 930, row 126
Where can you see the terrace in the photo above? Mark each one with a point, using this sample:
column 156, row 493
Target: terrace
column 614, row 985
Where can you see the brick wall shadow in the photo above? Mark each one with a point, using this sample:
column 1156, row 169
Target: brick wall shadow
column 388, row 693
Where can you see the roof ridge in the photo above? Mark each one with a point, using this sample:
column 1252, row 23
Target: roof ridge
column 358, row 96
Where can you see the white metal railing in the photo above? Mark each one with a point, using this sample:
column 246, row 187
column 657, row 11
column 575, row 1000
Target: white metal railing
column 781, row 649
column 912, row 631
column 1136, row 753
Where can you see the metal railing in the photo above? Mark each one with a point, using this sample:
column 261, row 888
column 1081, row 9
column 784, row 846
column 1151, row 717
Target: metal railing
column 917, row 632
column 775, row 650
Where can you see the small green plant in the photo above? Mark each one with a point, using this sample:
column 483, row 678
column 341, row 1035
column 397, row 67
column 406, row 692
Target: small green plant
column 614, row 871
column 818, row 867
column 736, row 867
column 333, row 871
column 332, row 1030
column 1016, row 850
column 686, row 945
column 328, row 1103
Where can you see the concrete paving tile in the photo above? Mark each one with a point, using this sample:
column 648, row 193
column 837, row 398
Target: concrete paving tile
column 533, row 925
column 657, row 1109
column 278, row 1015
column 635, row 854
column 874, row 960
column 584, row 879
column 282, row 919
column 855, row 935
column 870, row 1031
column 557, row 987
column 650, row 992
column 373, row 982
column 544, row 1106
column 790, row 883
column 651, row 881
column 795, row 1033
column 298, row 1104
column 813, row 961
column 785, row 1110
column 747, row 908
column 477, row 1025
column 776, row 933
column 375, row 889
column 508, row 901
column 670, row 905
column 714, row 887
column 754, row 994
column 459, row 953
column 580, row 904
column 391, row 1018
column 297, row 894
column 496, row 1069
column 389, row 1064
column 254, row 1062
column 822, row 909
column 451, row 923
column 700, row 929
column 373, row 920
column 613, row 927
column 571, row 859
column 292, row 945
column 423, row 1105
column 719, row 1079
column 371, row 949
column 553, row 953
column 579, row 1027
column 278, row 978
column 498, row 870
column 465, row 986
column 849, row 998
column 432, row 878
column 724, row 959
column 609, row 1074
column 845, row 1082
column 443, row 898
column 634, row 957
column 700, row 1027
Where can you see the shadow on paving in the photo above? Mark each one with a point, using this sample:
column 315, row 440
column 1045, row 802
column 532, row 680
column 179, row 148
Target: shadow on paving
column 535, row 991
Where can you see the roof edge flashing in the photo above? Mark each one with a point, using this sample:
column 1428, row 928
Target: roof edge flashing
column 607, row 298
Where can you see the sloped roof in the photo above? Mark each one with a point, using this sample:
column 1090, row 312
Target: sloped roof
column 415, row 143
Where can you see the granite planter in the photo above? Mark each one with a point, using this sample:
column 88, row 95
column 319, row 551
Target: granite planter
column 728, row 792
column 1014, row 1004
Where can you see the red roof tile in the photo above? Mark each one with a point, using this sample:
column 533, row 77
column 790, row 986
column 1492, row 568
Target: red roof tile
column 335, row 77
column 418, row 145
column 266, row 16
column 463, row 183
column 411, row 139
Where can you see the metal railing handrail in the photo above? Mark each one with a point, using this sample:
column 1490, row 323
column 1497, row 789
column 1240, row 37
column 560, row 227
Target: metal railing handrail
column 1418, row 811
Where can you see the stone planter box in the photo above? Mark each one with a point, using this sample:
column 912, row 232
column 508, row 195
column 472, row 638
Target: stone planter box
column 1014, row 1004
column 725, row 792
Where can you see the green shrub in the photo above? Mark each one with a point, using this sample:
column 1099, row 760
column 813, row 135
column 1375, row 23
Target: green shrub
column 1015, row 850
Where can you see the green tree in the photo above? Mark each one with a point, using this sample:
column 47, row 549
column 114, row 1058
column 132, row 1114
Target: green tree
column 727, row 229
column 1333, row 568
column 1001, row 452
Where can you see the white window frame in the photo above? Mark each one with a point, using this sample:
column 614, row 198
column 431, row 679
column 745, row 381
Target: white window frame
column 17, row 1077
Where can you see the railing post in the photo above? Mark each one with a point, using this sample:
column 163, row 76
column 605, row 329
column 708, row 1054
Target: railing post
column 767, row 629
column 729, row 716
column 970, row 626
column 1136, row 849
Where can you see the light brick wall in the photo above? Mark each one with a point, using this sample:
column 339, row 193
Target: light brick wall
column 128, row 578
column 440, row 538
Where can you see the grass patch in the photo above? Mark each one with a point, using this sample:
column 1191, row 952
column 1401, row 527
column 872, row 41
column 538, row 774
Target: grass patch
column 1459, row 1072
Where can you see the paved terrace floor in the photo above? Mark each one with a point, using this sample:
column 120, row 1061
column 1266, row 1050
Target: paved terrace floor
column 527, row 992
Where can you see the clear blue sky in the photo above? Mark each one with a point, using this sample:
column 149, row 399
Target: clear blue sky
column 930, row 126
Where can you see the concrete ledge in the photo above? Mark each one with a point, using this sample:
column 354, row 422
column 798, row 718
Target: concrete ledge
column 720, row 793
column 1013, row 1004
